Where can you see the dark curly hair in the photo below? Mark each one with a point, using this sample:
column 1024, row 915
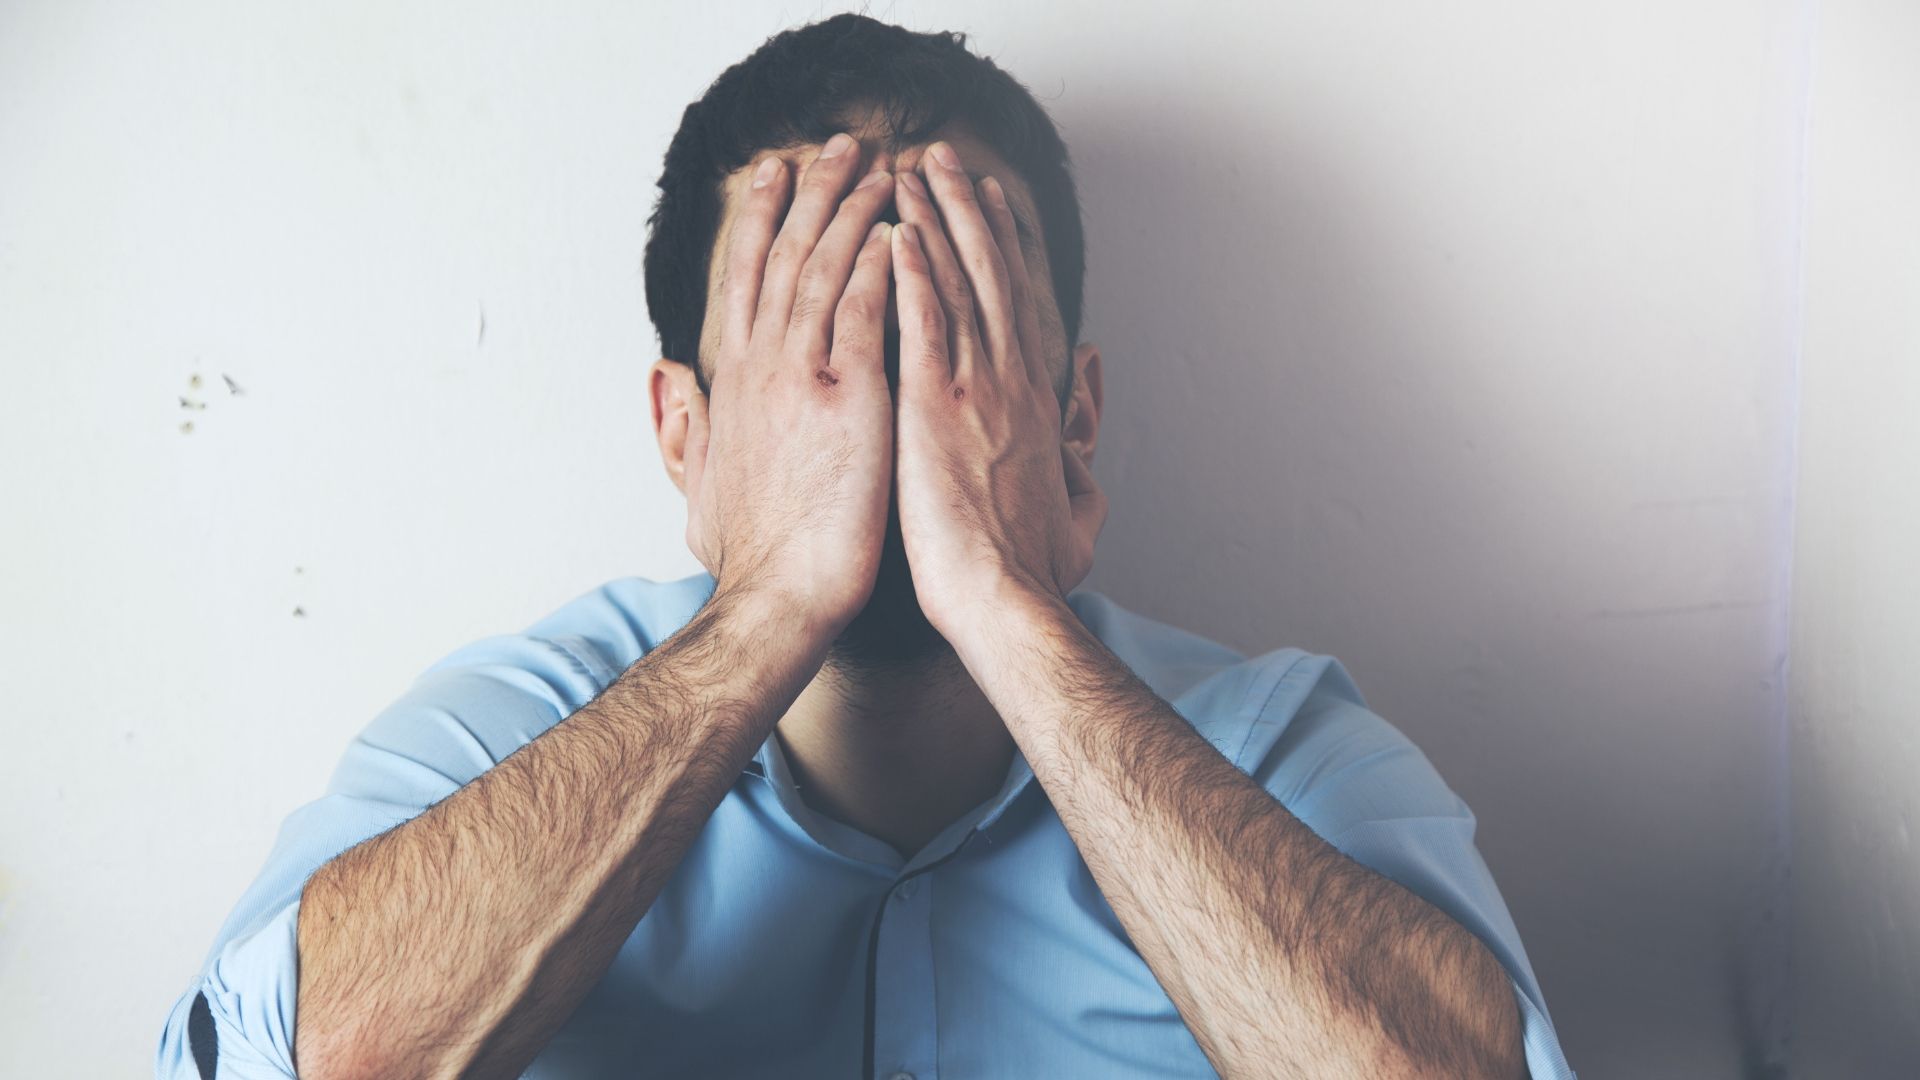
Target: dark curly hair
column 797, row 89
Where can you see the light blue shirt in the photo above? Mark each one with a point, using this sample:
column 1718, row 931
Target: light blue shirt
column 790, row 945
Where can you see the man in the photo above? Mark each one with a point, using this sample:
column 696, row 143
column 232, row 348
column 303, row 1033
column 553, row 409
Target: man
column 882, row 793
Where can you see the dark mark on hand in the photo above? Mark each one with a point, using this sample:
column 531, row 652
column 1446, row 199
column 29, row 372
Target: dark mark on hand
column 232, row 387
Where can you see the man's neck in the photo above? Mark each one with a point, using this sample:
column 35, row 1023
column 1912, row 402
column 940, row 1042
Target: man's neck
column 898, row 752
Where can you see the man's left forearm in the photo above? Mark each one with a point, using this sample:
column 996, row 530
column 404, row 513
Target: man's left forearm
column 1283, row 955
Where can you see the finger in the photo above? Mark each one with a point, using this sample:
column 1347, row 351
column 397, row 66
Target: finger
column 814, row 203
column 823, row 280
column 924, row 366
column 699, row 438
column 1026, row 309
column 752, row 234
column 860, row 318
column 950, row 283
column 973, row 243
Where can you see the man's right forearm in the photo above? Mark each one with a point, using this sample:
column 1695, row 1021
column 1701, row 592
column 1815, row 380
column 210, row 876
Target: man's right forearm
column 459, row 942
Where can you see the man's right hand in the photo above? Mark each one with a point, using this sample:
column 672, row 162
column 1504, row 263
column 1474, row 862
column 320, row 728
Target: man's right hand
column 459, row 941
column 790, row 461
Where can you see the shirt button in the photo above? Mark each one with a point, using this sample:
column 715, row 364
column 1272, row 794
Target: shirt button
column 904, row 891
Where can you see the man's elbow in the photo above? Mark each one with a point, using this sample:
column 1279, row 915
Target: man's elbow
column 328, row 1055
column 1496, row 1043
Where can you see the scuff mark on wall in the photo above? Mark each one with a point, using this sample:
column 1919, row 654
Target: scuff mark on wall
column 192, row 404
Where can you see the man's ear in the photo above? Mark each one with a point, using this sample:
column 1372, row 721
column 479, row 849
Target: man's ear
column 1080, row 427
column 675, row 393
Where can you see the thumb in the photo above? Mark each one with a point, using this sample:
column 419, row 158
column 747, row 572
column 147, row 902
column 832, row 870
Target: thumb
column 699, row 438
column 1085, row 500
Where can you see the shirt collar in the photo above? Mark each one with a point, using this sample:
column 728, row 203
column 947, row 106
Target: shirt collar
column 1166, row 666
column 770, row 764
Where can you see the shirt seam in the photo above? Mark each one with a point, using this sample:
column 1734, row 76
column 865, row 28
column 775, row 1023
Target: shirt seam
column 1246, row 737
column 599, row 670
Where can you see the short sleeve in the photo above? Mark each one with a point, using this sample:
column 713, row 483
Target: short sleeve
column 1364, row 787
column 461, row 717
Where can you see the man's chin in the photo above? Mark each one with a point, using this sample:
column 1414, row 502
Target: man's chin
column 891, row 631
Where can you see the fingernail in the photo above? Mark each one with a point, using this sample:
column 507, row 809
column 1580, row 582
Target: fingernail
column 906, row 232
column 873, row 178
column 992, row 189
column 837, row 145
column 763, row 175
column 878, row 232
column 912, row 183
column 944, row 154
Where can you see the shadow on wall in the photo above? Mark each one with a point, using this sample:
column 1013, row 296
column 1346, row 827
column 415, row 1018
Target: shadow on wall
column 1306, row 443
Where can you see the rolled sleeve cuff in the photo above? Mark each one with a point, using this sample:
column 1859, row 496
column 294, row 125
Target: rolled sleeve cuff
column 246, row 1025
column 1545, row 1059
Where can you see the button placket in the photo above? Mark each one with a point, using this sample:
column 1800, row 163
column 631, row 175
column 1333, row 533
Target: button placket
column 905, row 1020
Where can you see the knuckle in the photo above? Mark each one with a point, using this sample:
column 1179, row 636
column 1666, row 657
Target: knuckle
column 807, row 307
column 853, row 348
column 814, row 277
column 955, row 285
column 857, row 307
column 931, row 353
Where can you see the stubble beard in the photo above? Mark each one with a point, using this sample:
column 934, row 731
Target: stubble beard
column 890, row 632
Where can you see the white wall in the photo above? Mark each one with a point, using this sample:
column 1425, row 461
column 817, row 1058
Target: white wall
column 1460, row 346
column 1856, row 611
column 1455, row 340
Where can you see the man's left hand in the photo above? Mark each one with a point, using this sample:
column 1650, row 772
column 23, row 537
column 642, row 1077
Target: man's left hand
column 993, row 505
